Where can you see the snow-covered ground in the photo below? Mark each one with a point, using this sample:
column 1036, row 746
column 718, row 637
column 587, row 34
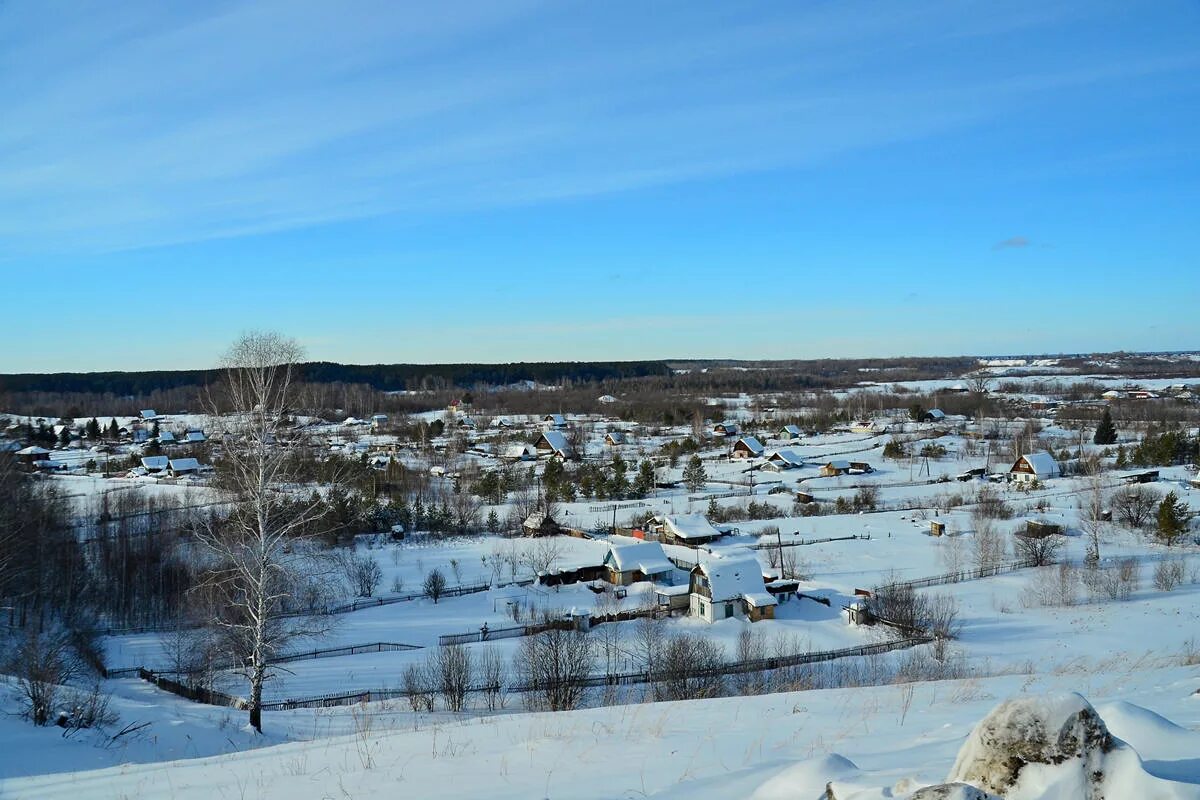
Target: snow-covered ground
column 888, row 739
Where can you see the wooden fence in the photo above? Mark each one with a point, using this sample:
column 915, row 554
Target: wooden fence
column 284, row 658
column 613, row 679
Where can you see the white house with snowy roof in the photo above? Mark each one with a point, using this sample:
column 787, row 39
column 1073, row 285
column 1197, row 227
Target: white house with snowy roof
column 733, row 586
column 1039, row 466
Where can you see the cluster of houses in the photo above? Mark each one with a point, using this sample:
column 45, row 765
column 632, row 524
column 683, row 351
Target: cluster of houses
column 717, row 587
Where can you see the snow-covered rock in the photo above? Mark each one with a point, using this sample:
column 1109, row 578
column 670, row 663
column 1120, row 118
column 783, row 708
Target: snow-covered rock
column 1055, row 747
column 951, row 791
column 1058, row 729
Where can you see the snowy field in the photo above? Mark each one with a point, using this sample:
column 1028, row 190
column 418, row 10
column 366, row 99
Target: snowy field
column 884, row 741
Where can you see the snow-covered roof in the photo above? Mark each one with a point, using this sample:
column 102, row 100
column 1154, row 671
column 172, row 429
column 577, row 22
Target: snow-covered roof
column 184, row 464
column 616, row 437
column 752, row 444
column 935, row 413
column 149, row 413
column 727, row 425
column 789, row 457
column 33, row 450
column 519, row 451
column 606, row 398
column 737, row 578
column 838, row 464
column 155, row 462
column 1042, row 464
column 195, row 436
column 556, row 441
column 791, row 430
column 555, row 419
column 627, row 554
column 166, row 436
column 690, row 526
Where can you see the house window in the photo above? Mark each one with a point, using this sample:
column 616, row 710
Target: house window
column 728, row 610
column 703, row 610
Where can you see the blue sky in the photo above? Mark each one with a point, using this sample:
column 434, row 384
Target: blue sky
column 483, row 181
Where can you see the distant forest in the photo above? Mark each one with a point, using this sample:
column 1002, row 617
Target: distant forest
column 665, row 390
column 384, row 377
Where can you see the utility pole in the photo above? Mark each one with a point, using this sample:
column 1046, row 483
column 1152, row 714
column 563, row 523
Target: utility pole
column 779, row 539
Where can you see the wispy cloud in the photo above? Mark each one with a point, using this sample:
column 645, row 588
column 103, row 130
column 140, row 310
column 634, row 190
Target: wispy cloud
column 1012, row 243
column 141, row 124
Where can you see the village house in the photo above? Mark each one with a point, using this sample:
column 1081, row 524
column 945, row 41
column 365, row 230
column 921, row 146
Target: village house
column 553, row 444
column 840, row 467
column 725, row 428
column 539, row 523
column 149, row 415
column 747, row 447
column 783, row 459
column 789, row 432
column 155, row 465
column 934, row 415
column 520, row 452
column 615, row 438
column 554, row 421
column 723, row 588
column 1039, row 466
column 630, row 560
column 177, row 467
column 32, row 455
column 689, row 530
column 194, row 436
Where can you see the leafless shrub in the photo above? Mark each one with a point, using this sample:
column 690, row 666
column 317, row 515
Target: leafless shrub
column 689, row 669
column 87, row 709
column 750, row 647
column 1050, row 586
column 491, row 678
column 363, row 573
column 43, row 662
column 988, row 544
column 903, row 606
column 552, row 666
column 452, row 666
column 418, row 685
column 990, row 505
column 1168, row 574
column 1112, row 581
column 1134, row 506
column 1037, row 550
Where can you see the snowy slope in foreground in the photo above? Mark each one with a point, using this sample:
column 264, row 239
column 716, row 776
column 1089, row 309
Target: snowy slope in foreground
column 871, row 742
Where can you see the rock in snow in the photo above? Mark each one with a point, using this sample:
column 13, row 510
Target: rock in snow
column 1058, row 729
column 1048, row 747
column 952, row 791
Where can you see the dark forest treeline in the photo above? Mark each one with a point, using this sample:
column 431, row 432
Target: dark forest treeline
column 385, row 377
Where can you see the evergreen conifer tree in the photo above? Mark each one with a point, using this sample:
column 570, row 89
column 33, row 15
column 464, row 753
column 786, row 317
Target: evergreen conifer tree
column 1106, row 432
column 694, row 474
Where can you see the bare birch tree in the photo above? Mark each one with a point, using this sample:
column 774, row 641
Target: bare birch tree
column 261, row 569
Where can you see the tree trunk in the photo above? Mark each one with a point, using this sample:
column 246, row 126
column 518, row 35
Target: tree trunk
column 256, row 687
